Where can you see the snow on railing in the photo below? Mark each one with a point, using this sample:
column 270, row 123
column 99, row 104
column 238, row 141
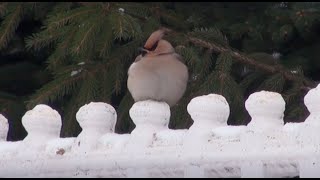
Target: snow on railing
column 209, row 148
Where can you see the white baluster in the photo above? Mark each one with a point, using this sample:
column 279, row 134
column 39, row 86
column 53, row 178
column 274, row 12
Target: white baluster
column 95, row 119
column 149, row 117
column 42, row 124
column 309, row 136
column 263, row 132
column 4, row 127
column 208, row 112
column 266, row 110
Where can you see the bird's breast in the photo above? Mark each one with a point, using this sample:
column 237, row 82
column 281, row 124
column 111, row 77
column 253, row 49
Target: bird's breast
column 131, row 68
column 160, row 78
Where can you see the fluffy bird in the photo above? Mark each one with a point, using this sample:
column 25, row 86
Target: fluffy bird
column 158, row 73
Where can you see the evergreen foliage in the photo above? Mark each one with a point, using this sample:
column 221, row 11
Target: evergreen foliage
column 233, row 49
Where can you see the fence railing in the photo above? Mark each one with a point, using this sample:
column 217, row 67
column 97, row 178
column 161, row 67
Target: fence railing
column 209, row 148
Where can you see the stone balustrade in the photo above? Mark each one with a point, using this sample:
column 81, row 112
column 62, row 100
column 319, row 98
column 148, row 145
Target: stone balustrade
column 209, row 148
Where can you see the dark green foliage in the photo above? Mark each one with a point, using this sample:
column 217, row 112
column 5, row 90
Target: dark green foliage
column 13, row 109
column 84, row 50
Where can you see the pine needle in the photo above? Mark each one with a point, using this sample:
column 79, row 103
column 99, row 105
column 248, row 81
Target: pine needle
column 9, row 25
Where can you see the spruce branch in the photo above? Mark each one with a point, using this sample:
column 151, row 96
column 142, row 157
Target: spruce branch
column 55, row 89
column 238, row 56
column 56, row 22
column 210, row 34
column 4, row 97
column 84, row 41
column 274, row 83
column 10, row 24
column 124, row 122
column 136, row 10
column 105, row 43
column 40, row 40
column 70, row 126
column 58, row 57
column 3, row 8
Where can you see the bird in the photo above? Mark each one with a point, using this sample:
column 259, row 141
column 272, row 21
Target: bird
column 158, row 73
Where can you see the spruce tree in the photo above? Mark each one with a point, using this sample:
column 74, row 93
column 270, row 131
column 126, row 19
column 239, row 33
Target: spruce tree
column 232, row 49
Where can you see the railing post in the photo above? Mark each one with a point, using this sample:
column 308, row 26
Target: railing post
column 266, row 110
column 309, row 136
column 4, row 127
column 95, row 119
column 42, row 124
column 149, row 117
column 208, row 112
column 209, row 148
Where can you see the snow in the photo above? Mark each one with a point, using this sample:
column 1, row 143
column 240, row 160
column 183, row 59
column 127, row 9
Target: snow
column 169, row 138
column 262, row 120
column 292, row 127
column 59, row 146
column 153, row 113
column 209, row 111
column 95, row 119
column 229, row 131
column 73, row 73
column 4, row 127
column 209, row 148
column 149, row 117
column 312, row 102
column 113, row 142
column 121, row 10
column 276, row 55
column 42, row 123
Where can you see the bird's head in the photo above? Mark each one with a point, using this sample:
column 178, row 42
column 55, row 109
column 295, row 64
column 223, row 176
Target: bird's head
column 155, row 45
